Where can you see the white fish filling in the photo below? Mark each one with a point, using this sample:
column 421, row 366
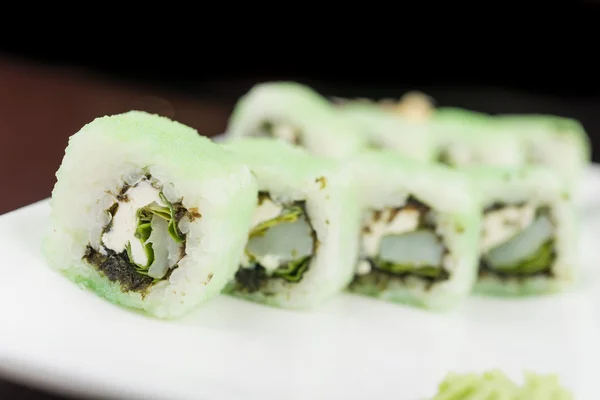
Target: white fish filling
column 513, row 233
column 280, row 244
column 124, row 225
column 503, row 224
column 419, row 249
column 522, row 246
column 397, row 239
column 405, row 221
column 124, row 222
column 167, row 251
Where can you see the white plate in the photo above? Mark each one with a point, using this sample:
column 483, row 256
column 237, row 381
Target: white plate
column 54, row 334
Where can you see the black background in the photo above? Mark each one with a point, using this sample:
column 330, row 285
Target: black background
column 546, row 64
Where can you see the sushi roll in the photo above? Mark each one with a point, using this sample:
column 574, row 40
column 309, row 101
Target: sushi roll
column 467, row 137
column 148, row 214
column 529, row 237
column 410, row 137
column 297, row 114
column 420, row 231
column 303, row 242
column 557, row 142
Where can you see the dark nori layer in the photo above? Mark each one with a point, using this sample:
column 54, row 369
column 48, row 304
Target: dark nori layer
column 381, row 278
column 444, row 158
column 112, row 210
column 413, row 203
column 486, row 270
column 122, row 196
column 262, row 196
column 117, row 267
column 500, row 205
column 179, row 212
column 250, row 279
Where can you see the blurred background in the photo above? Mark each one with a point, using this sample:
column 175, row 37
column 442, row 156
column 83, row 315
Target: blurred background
column 46, row 96
column 47, row 93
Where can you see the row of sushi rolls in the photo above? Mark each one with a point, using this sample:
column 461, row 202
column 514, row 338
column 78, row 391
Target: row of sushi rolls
column 306, row 196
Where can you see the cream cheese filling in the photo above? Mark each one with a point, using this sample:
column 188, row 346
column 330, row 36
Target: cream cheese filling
column 124, row 221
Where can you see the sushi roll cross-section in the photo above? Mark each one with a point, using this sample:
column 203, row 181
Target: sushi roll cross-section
column 420, row 231
column 296, row 114
column 529, row 237
column 148, row 214
column 303, row 242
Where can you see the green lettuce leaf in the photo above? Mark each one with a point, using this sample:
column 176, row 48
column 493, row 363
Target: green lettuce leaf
column 293, row 271
column 403, row 269
column 167, row 213
column 539, row 260
column 149, row 256
column 287, row 215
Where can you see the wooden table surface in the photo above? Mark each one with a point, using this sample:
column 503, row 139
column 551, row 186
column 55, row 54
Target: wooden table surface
column 40, row 107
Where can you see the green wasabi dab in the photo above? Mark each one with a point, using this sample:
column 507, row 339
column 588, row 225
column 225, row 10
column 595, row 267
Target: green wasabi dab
column 495, row 385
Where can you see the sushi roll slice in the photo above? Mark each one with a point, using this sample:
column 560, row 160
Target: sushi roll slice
column 558, row 142
column 467, row 137
column 303, row 243
column 410, row 137
column 148, row 214
column 420, row 231
column 529, row 238
column 297, row 114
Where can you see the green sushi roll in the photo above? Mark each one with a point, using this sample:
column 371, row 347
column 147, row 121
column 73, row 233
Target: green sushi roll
column 297, row 114
column 420, row 231
column 557, row 142
column 467, row 137
column 529, row 239
column 303, row 242
column 409, row 137
column 148, row 214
